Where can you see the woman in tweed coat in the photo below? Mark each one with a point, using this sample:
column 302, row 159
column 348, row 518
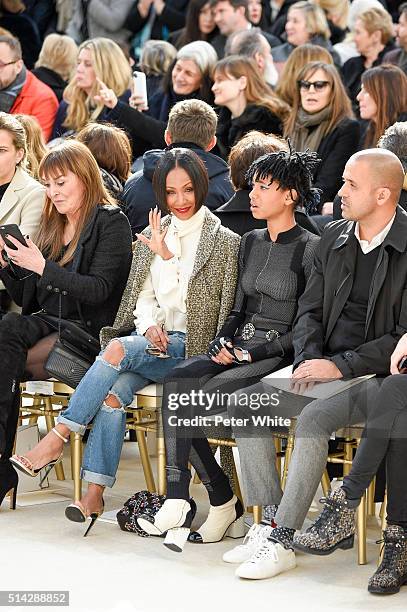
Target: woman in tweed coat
column 180, row 290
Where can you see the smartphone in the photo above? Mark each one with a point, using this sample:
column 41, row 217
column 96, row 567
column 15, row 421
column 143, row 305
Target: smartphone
column 14, row 231
column 140, row 86
column 402, row 367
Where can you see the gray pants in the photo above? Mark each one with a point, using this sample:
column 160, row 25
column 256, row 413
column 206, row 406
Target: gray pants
column 317, row 421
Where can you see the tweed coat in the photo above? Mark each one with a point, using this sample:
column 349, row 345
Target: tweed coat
column 211, row 287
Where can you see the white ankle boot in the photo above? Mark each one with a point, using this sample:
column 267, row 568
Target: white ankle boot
column 224, row 520
column 173, row 518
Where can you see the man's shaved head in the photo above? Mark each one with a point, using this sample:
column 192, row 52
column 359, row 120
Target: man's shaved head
column 384, row 168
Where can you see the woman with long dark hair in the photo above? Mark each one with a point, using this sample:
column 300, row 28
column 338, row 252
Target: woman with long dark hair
column 382, row 101
column 74, row 268
column 322, row 121
column 199, row 24
column 189, row 259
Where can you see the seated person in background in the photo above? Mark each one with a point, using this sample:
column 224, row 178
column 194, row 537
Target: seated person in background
column 247, row 102
column 373, row 36
column 274, row 266
column 322, row 120
column 395, row 140
column 94, row 18
column 399, row 56
column 287, row 87
column 22, row 198
column 162, row 16
column 232, row 16
column 350, row 317
column 56, row 63
column 384, row 438
column 36, row 147
column 21, row 91
column 382, row 101
column 236, row 213
column 189, row 76
column 174, row 263
column 75, row 268
column 101, row 65
column 199, row 24
column 155, row 60
column 191, row 124
column 252, row 43
column 22, row 27
column 111, row 148
column 306, row 23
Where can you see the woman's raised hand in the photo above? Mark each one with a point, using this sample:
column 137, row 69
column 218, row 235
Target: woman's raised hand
column 28, row 257
column 106, row 96
column 138, row 102
column 157, row 242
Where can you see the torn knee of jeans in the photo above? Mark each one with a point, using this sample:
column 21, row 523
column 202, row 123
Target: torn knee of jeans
column 107, row 408
column 109, row 356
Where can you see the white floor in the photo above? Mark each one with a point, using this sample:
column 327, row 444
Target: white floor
column 110, row 569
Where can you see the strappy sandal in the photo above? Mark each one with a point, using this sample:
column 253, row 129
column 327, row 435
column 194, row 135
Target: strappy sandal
column 76, row 512
column 24, row 465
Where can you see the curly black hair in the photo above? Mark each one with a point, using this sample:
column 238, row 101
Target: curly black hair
column 292, row 170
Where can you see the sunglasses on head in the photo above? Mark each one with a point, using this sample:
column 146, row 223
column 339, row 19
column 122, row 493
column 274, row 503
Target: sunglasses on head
column 318, row 85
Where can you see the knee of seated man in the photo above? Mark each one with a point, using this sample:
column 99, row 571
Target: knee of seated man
column 309, row 421
column 114, row 353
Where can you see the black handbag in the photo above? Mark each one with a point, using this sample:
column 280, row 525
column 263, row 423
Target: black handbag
column 73, row 353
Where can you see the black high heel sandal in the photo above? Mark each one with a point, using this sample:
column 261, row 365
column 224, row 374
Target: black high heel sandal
column 8, row 483
column 76, row 513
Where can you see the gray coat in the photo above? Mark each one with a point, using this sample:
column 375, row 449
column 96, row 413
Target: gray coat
column 105, row 18
column 211, row 288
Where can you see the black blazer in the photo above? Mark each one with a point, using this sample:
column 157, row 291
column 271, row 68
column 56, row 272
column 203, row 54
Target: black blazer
column 95, row 281
column 334, row 150
column 329, row 288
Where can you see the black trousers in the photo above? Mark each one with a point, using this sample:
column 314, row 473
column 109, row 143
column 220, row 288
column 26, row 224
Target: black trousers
column 18, row 333
column 185, row 398
column 385, row 437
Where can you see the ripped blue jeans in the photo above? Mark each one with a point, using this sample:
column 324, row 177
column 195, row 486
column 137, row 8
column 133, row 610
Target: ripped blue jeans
column 136, row 370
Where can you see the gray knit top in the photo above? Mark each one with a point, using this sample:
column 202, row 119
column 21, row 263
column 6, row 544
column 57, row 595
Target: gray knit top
column 272, row 276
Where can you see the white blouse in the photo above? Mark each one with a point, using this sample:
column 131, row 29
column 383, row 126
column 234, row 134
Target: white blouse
column 162, row 300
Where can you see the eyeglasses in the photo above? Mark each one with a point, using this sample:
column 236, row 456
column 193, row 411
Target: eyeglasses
column 318, row 85
column 3, row 65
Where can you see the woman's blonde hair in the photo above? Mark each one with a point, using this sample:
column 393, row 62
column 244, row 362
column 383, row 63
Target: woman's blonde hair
column 378, row 19
column 11, row 124
column 110, row 146
column 298, row 58
column 339, row 103
column 58, row 53
column 336, row 10
column 36, row 148
column 257, row 91
column 315, row 20
column 70, row 156
column 111, row 67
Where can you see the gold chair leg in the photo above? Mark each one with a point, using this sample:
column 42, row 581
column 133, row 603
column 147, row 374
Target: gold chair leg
column 50, row 421
column 257, row 514
column 238, row 491
column 288, row 453
column 370, row 498
column 76, row 462
column 383, row 516
column 325, row 483
column 348, row 448
column 278, row 446
column 145, row 461
column 361, row 528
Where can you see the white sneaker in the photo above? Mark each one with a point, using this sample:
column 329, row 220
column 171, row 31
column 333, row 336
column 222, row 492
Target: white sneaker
column 269, row 560
column 254, row 539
